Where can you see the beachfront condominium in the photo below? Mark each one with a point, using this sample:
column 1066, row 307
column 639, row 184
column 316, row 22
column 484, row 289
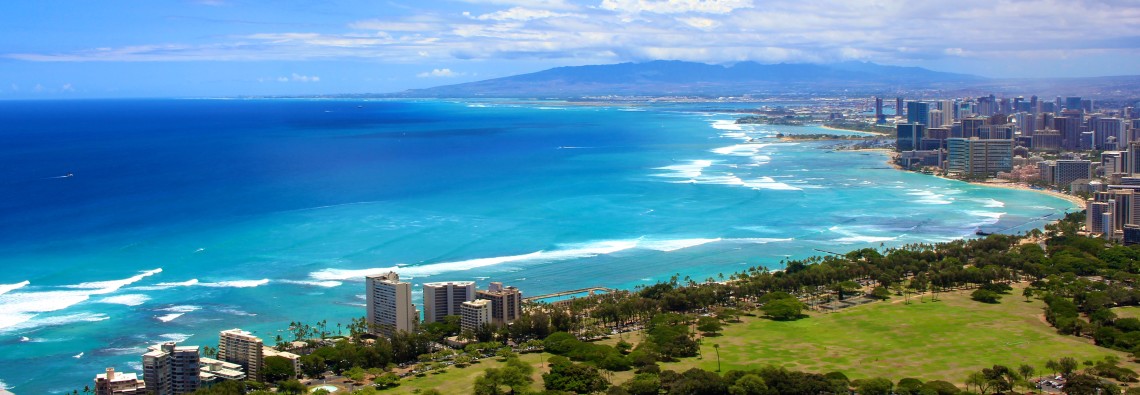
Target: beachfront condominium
column 389, row 303
column 506, row 302
column 243, row 348
column 474, row 314
column 442, row 299
column 909, row 136
column 294, row 359
column 115, row 383
column 978, row 157
column 170, row 369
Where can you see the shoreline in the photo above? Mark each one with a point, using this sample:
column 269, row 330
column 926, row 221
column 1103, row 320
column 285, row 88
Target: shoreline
column 856, row 131
column 1080, row 203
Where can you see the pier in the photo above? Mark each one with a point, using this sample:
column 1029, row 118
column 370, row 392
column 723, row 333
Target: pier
column 563, row 294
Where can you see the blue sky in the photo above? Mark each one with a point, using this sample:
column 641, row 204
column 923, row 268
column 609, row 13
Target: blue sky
column 172, row 48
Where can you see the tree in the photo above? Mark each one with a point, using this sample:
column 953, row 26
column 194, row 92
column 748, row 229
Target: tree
column 313, row 365
column 1027, row 293
column 277, row 369
column 709, row 325
column 515, row 376
column 881, row 293
column 717, row 348
column 749, row 384
column 909, row 386
column 643, row 384
column 1026, row 372
column 1066, row 365
column 941, row 387
column 568, row 376
column 783, row 309
column 985, row 296
column 875, row 386
column 292, row 387
column 1083, row 384
column 696, row 382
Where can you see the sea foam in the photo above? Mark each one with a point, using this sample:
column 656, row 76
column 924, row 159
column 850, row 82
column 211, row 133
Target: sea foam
column 126, row 300
column 4, row 288
column 17, row 309
column 562, row 253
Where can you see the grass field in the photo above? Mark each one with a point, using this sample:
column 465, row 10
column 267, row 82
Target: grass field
column 944, row 340
column 1127, row 312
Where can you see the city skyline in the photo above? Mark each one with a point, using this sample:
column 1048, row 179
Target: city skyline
column 231, row 47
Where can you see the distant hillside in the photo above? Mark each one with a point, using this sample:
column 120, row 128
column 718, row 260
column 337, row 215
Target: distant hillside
column 688, row 78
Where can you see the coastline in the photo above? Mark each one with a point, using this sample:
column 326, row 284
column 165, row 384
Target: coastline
column 1080, row 203
column 857, row 131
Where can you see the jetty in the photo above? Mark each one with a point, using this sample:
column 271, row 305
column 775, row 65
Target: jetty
column 562, row 294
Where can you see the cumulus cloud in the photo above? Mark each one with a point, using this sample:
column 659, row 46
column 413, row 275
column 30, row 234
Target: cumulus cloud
column 440, row 73
column 713, row 31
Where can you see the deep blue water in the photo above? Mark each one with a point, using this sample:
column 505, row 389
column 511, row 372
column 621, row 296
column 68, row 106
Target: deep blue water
column 262, row 212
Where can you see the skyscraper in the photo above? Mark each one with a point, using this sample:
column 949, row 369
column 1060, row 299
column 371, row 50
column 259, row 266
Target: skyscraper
column 442, row 299
column 899, row 106
column 390, row 306
column 879, row 117
column 918, row 112
column 909, row 136
column 976, row 157
column 506, row 302
column 1070, row 128
column 243, row 348
column 1073, row 103
column 170, row 369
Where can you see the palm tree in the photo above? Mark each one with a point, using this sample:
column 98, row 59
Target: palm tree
column 717, row 348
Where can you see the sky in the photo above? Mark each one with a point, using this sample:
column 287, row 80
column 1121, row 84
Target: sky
column 196, row 48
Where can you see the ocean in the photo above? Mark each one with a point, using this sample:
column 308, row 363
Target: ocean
column 126, row 223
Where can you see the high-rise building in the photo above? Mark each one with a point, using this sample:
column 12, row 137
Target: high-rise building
column 909, row 136
column 1070, row 129
column 442, row 299
column 972, row 125
column 243, row 348
column 879, row 117
column 936, row 118
column 918, row 112
column 114, row 383
column 1073, row 103
column 899, row 106
column 976, row 157
column 1103, row 128
column 474, row 314
column 506, row 302
column 1065, row 171
column 949, row 112
column 1026, row 123
column 390, row 306
column 170, row 369
column 214, row 371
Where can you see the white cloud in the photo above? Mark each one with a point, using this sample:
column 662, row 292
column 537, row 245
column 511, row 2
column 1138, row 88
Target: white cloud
column 675, row 6
column 520, row 14
column 440, row 73
column 603, row 31
column 67, row 88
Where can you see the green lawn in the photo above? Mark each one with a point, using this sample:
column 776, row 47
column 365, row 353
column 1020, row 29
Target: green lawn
column 1127, row 312
column 945, row 340
column 455, row 380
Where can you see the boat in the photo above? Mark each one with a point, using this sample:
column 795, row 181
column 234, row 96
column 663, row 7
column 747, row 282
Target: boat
column 980, row 232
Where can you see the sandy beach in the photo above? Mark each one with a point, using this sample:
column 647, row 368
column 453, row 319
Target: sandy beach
column 1025, row 187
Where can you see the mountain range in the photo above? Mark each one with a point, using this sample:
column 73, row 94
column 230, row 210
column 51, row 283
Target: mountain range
column 688, row 78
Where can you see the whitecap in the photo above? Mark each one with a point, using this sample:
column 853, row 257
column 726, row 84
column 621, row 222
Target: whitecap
column 325, row 284
column 236, row 283
column 726, row 125
column 121, row 351
column 45, row 321
column 863, row 239
column 673, row 245
column 4, row 288
column 162, row 286
column 137, row 366
column 928, row 197
column 77, row 356
column 564, row 252
column 18, row 308
column 236, row 312
column 739, row 149
column 181, row 309
column 990, row 202
column 174, row 337
column 168, row 317
column 127, row 300
column 758, row 240
column 691, row 169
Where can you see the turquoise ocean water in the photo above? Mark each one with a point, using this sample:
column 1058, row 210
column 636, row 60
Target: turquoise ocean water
column 185, row 217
